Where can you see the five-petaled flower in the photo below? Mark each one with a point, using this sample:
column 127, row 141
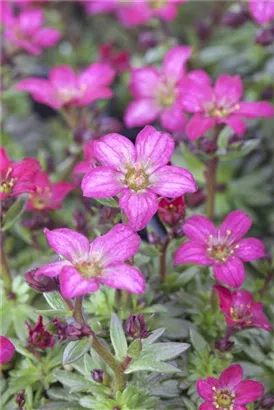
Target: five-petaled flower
column 137, row 173
column 26, row 31
column 47, row 196
column 230, row 391
column 219, row 105
column 222, row 248
column 84, row 266
column 7, row 350
column 262, row 11
column 156, row 93
column 17, row 177
column 240, row 310
column 65, row 88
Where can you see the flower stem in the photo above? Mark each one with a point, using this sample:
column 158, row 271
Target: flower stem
column 77, row 310
column 211, row 175
column 163, row 260
column 5, row 272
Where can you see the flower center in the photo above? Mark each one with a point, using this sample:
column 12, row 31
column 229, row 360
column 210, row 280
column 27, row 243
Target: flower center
column 6, row 186
column 222, row 110
column 89, row 269
column 136, row 179
column 223, row 399
column 166, row 94
column 220, row 248
column 157, row 4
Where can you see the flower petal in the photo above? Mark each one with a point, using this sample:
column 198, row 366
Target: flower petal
column 235, row 122
column 207, row 406
column 228, row 89
column 194, row 95
column 173, row 118
column 97, row 75
column 70, row 244
column 256, row 109
column 231, row 377
column 225, row 298
column 7, row 350
column 250, row 249
column 261, row 11
column 198, row 228
column 230, row 272
column 72, row 284
column 259, row 317
column 192, row 252
column 248, row 391
column 171, row 181
column 198, row 126
column 30, row 21
column 235, row 225
column 139, row 208
column 114, row 150
column 101, row 182
column 122, row 276
column 118, row 245
column 141, row 112
column 200, row 77
column 40, row 90
column 154, row 148
column 144, row 82
column 47, row 37
column 52, row 269
column 175, row 62
column 63, row 78
column 204, row 388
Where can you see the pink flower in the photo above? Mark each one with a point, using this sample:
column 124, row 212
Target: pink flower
column 65, row 88
column 118, row 60
column 26, row 31
column 84, row 166
column 137, row 174
column 229, row 391
column 222, row 248
column 47, row 196
column 134, row 12
column 240, row 310
column 156, row 93
column 16, row 177
column 85, row 266
column 262, row 11
column 7, row 350
column 219, row 105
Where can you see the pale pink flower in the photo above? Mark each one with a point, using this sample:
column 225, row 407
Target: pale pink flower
column 85, row 266
column 47, row 196
column 65, row 88
column 220, row 104
column 262, row 11
column 156, row 93
column 27, row 31
column 240, row 310
column 222, row 248
column 138, row 174
column 229, row 391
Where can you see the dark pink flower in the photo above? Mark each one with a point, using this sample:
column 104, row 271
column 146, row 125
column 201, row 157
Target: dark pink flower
column 47, row 196
column 7, row 350
column 16, row 177
column 118, row 60
column 229, row 391
column 222, row 248
column 65, row 88
column 220, row 104
column 39, row 337
column 85, row 266
column 137, row 174
column 240, row 310
column 26, row 31
column 156, row 93
column 262, row 11
column 172, row 211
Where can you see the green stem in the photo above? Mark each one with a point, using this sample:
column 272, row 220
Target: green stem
column 5, row 272
column 163, row 260
column 77, row 310
column 211, row 183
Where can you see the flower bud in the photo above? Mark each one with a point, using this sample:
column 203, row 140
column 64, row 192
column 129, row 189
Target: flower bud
column 264, row 37
column 42, row 283
column 20, row 399
column 195, row 199
column 39, row 337
column 235, row 18
column 148, row 39
column 72, row 331
column 98, row 375
column 171, row 211
column 224, row 345
column 135, row 327
column 267, row 402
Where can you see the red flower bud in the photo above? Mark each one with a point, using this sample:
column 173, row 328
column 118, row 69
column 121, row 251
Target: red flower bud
column 39, row 337
column 171, row 211
column 135, row 327
column 42, row 283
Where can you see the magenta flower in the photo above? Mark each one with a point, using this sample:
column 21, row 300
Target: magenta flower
column 230, row 391
column 219, row 105
column 118, row 60
column 262, row 11
column 47, row 196
column 240, row 310
column 156, row 93
column 39, row 337
column 222, row 248
column 7, row 350
column 137, row 174
column 85, row 266
column 16, row 177
column 134, row 12
column 65, row 88
column 26, row 31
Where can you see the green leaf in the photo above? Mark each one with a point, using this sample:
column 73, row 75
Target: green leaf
column 111, row 202
column 55, row 300
column 75, row 350
column 153, row 336
column 166, row 351
column 197, row 341
column 118, row 338
column 149, row 364
column 53, row 312
column 14, row 212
